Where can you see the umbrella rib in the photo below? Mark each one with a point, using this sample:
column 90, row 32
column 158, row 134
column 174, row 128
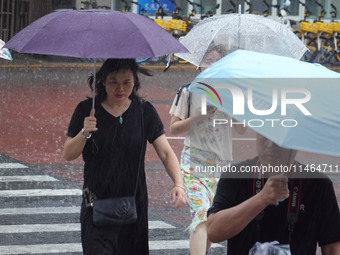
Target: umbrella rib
column 37, row 32
column 143, row 36
column 212, row 38
column 86, row 46
column 275, row 31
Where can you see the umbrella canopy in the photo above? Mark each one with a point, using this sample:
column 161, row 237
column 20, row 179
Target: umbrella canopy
column 4, row 53
column 95, row 34
column 293, row 103
column 227, row 33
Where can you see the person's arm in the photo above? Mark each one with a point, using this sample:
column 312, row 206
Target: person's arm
column 235, row 219
column 331, row 249
column 227, row 223
column 179, row 126
column 170, row 162
column 74, row 146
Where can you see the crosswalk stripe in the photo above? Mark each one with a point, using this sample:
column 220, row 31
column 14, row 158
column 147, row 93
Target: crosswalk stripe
column 40, row 210
column 28, row 178
column 159, row 225
column 66, row 227
column 12, row 165
column 41, row 248
column 58, row 227
column 76, row 247
column 40, row 192
column 234, row 138
column 34, row 228
column 173, row 244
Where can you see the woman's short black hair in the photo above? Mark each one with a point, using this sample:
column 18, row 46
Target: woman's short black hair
column 114, row 65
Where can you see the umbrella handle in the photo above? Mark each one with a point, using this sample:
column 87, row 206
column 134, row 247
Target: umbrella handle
column 94, row 86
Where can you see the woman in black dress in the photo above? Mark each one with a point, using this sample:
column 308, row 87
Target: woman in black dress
column 112, row 141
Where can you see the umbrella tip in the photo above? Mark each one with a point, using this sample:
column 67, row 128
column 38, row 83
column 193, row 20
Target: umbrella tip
column 239, row 9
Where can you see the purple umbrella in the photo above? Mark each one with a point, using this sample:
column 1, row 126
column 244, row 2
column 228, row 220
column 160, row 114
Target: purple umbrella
column 95, row 34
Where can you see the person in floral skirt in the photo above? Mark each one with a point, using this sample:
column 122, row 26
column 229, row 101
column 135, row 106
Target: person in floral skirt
column 205, row 149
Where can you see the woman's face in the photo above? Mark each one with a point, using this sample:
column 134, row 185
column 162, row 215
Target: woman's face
column 119, row 85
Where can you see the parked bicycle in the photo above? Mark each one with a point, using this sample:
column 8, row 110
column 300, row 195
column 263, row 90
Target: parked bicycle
column 305, row 32
column 336, row 38
column 281, row 13
column 323, row 38
column 249, row 10
column 92, row 4
column 160, row 13
column 234, row 8
column 177, row 26
column 193, row 12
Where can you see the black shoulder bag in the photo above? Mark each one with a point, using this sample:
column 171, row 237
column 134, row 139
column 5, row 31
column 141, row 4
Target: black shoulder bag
column 118, row 210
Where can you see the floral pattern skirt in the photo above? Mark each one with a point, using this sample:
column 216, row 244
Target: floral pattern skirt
column 200, row 179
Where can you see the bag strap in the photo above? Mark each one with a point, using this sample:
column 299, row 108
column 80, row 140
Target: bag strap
column 293, row 203
column 143, row 147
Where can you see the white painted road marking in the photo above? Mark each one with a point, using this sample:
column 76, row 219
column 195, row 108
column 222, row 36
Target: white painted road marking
column 173, row 244
column 76, row 247
column 65, row 227
column 40, row 192
column 234, row 139
column 28, row 178
column 41, row 248
column 12, row 165
column 159, row 225
column 40, row 210
column 39, row 228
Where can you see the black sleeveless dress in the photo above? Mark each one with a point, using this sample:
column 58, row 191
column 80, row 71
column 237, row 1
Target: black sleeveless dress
column 112, row 158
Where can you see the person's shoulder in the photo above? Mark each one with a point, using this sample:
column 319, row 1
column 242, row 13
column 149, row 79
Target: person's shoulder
column 85, row 103
column 183, row 90
column 184, row 87
column 145, row 104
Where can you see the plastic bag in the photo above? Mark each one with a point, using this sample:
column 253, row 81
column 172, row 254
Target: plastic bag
column 272, row 248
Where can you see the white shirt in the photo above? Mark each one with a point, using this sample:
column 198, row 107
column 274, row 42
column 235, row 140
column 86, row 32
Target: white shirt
column 203, row 135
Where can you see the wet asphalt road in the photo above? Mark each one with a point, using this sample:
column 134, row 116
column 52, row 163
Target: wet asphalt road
column 36, row 106
column 40, row 192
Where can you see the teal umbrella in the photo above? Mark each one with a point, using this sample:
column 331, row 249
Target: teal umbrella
column 293, row 103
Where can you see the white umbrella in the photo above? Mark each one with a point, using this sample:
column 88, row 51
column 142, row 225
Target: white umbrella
column 227, row 33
